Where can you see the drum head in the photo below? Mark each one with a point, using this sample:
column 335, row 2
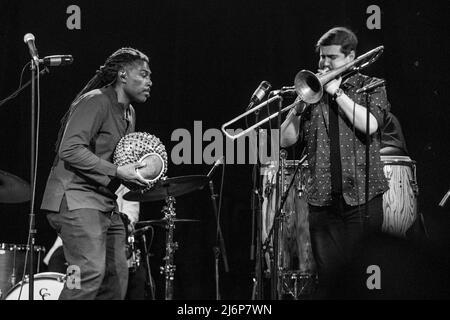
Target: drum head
column 397, row 160
column 47, row 286
column 154, row 167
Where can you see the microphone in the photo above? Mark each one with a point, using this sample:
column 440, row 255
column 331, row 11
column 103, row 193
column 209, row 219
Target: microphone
column 29, row 40
column 56, row 60
column 284, row 90
column 371, row 86
column 216, row 164
column 259, row 94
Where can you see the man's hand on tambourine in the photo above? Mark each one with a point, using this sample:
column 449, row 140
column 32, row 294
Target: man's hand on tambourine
column 128, row 173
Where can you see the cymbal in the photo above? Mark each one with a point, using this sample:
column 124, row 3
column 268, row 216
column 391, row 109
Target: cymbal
column 13, row 189
column 174, row 187
column 161, row 222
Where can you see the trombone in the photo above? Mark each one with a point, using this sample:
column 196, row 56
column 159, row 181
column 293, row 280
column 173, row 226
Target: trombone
column 309, row 88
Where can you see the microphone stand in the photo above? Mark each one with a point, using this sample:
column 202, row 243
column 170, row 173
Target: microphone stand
column 34, row 76
column 277, row 217
column 367, row 180
column 366, row 207
column 220, row 243
column 257, row 213
column 257, row 203
column 21, row 88
column 151, row 284
column 32, row 230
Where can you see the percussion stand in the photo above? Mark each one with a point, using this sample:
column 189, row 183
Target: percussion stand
column 169, row 268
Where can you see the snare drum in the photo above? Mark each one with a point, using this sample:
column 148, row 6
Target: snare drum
column 12, row 262
column 400, row 201
column 47, row 286
column 294, row 247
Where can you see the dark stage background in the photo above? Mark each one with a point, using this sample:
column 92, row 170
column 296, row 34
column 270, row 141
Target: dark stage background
column 207, row 58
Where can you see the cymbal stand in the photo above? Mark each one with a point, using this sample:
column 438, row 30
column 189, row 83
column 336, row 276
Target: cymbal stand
column 171, row 247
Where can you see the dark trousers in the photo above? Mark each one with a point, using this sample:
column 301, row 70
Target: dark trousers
column 137, row 279
column 94, row 242
column 337, row 235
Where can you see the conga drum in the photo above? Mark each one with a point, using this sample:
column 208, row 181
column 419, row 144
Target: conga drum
column 296, row 265
column 400, row 201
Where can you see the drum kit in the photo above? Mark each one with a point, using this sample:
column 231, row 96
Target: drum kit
column 147, row 148
column 48, row 285
column 295, row 268
column 13, row 257
column 165, row 189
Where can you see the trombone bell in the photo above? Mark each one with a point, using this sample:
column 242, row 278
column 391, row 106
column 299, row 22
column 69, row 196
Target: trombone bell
column 309, row 86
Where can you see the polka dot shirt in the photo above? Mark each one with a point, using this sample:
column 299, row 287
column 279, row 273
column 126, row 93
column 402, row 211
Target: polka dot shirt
column 315, row 135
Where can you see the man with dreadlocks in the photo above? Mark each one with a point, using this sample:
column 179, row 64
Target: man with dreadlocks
column 79, row 197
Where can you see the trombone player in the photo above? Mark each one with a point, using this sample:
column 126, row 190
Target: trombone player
column 333, row 134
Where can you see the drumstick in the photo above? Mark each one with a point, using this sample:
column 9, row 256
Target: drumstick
column 444, row 199
column 58, row 243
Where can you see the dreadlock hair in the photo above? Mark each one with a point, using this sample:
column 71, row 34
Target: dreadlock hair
column 106, row 75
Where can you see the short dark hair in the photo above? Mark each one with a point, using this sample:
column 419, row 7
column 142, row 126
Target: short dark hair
column 339, row 36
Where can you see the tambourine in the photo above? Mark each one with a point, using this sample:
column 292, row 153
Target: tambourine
column 145, row 148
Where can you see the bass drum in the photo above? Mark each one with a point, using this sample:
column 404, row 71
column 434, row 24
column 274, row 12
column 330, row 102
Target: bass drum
column 47, row 286
column 12, row 263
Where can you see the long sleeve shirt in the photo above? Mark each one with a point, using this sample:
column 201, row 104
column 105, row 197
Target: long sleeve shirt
column 84, row 172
